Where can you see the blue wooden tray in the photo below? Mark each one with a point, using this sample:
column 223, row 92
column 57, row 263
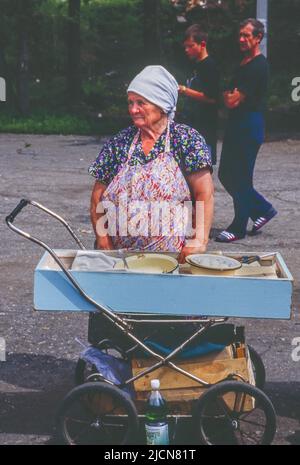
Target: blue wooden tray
column 164, row 294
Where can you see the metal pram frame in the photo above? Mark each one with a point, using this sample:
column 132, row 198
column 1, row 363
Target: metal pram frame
column 111, row 409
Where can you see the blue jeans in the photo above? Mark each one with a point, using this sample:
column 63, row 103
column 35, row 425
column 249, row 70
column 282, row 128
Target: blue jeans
column 243, row 137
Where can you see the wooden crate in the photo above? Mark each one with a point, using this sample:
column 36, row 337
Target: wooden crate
column 179, row 390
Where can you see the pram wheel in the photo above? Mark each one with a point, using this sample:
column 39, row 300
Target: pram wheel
column 234, row 412
column 97, row 413
column 258, row 368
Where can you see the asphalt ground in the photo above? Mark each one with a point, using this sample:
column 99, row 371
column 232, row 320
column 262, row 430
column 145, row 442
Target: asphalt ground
column 41, row 350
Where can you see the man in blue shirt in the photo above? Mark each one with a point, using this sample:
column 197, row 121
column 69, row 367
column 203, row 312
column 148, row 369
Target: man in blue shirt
column 246, row 101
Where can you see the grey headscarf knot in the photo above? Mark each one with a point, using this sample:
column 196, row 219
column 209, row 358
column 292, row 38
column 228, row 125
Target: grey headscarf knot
column 158, row 86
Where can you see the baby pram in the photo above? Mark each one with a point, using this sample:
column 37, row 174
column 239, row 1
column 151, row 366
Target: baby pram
column 207, row 371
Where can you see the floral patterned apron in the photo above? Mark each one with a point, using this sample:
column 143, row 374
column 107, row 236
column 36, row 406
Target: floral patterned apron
column 158, row 182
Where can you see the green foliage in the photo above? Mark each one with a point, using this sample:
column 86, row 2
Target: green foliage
column 112, row 52
column 94, row 89
column 42, row 123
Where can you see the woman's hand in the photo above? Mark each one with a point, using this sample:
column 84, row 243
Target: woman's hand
column 104, row 243
column 186, row 250
column 202, row 189
column 103, row 240
column 233, row 99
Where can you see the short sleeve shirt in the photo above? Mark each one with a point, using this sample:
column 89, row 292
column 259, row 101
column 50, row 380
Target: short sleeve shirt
column 252, row 80
column 186, row 144
column 205, row 79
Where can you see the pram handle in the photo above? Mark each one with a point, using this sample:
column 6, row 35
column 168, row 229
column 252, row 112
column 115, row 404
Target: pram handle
column 102, row 308
column 23, row 203
column 10, row 218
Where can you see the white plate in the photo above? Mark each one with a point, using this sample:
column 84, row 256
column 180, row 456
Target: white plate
column 149, row 263
column 213, row 262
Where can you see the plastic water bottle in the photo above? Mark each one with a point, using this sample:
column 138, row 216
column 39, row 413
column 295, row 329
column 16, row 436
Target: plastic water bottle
column 157, row 431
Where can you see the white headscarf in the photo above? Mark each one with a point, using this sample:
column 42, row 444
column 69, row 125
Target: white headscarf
column 158, row 86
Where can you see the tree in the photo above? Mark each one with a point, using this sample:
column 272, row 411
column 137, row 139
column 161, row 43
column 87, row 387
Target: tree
column 152, row 38
column 73, row 51
column 185, row 6
column 24, row 13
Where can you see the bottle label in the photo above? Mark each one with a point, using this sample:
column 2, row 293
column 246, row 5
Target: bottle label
column 157, row 435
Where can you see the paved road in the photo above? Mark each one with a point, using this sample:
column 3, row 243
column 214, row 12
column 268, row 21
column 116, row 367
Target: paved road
column 41, row 347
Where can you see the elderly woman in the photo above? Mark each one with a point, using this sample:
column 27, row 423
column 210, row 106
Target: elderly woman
column 154, row 161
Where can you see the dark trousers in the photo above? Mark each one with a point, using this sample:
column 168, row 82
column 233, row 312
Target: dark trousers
column 243, row 137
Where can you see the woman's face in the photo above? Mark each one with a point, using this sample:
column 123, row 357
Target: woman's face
column 144, row 114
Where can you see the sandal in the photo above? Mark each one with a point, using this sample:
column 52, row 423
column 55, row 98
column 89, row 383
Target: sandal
column 263, row 220
column 227, row 236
